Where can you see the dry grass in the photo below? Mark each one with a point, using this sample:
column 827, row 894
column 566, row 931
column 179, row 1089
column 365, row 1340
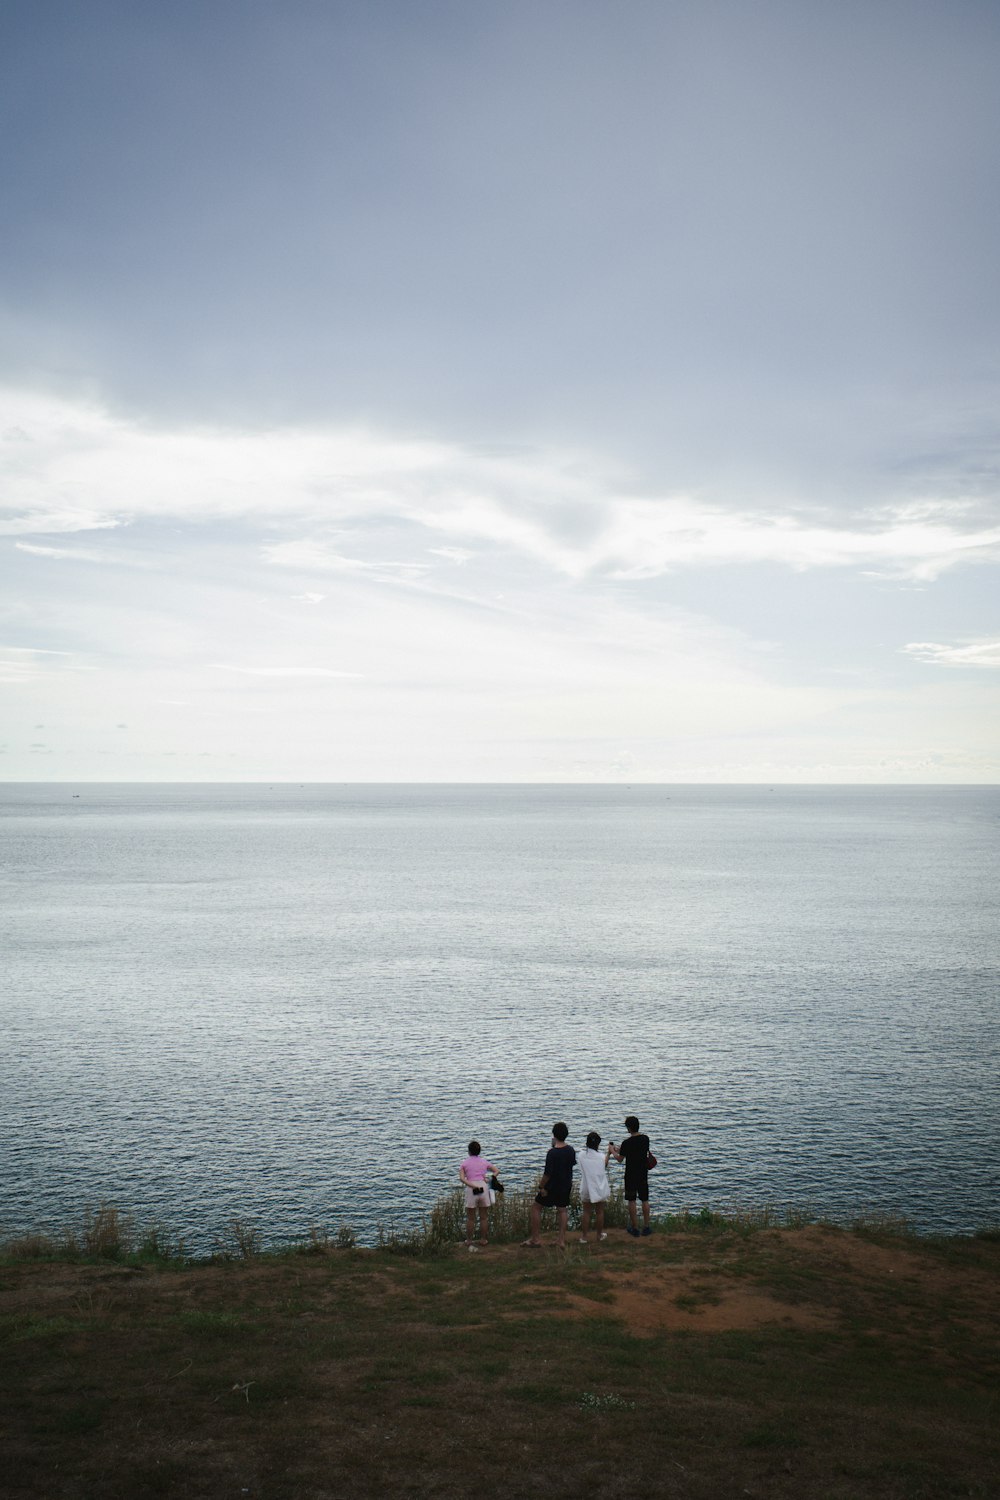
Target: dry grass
column 510, row 1223
column 714, row 1360
column 104, row 1233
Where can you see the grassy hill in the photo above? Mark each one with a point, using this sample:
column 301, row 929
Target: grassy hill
column 714, row 1359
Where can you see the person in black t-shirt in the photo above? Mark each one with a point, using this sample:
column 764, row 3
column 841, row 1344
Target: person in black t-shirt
column 555, row 1187
column 634, row 1151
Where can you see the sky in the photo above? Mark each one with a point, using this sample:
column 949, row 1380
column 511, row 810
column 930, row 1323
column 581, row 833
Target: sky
column 500, row 390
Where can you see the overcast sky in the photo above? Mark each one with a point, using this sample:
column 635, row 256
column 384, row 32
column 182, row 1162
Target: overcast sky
column 483, row 390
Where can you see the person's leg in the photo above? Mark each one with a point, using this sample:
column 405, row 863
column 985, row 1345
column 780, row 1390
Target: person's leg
column 536, row 1224
column 645, row 1216
column 484, row 1225
column 585, row 1222
column 562, row 1215
column 599, row 1215
column 631, row 1214
column 470, row 1225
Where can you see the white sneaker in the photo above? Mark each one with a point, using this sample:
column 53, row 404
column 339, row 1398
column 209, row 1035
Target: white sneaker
column 602, row 1236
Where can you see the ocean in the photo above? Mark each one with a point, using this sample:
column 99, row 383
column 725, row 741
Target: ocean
column 296, row 1004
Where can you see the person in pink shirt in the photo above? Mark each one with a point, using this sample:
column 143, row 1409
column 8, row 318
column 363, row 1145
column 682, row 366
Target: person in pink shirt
column 474, row 1173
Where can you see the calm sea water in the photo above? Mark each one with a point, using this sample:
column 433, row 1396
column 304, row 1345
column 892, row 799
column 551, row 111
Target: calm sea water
column 296, row 1004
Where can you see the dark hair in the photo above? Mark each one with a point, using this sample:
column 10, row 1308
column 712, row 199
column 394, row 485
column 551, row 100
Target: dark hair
column 560, row 1131
column 631, row 1123
column 474, row 1148
column 593, row 1140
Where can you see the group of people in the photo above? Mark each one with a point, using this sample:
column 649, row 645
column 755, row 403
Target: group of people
column 481, row 1181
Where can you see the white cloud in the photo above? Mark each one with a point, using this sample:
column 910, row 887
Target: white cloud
column 35, row 651
column 69, row 466
column 480, row 610
column 315, row 556
column 283, row 671
column 24, row 664
column 74, row 554
column 649, row 538
column 37, row 518
column 967, row 654
column 42, row 551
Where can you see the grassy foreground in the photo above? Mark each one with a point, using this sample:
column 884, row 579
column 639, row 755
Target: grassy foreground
column 717, row 1358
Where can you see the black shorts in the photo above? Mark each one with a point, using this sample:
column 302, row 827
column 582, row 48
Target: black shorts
column 637, row 1189
column 551, row 1201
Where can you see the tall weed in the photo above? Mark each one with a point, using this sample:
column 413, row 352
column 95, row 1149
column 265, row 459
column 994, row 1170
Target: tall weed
column 240, row 1240
column 107, row 1234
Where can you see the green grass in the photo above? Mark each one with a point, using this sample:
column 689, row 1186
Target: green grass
column 323, row 1371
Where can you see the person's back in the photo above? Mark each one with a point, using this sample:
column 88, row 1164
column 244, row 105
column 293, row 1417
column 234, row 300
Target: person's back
column 555, row 1186
column 634, row 1152
column 594, row 1184
column 560, row 1160
column 595, row 1189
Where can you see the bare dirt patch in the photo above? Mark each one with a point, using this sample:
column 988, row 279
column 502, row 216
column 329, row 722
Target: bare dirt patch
column 672, row 1300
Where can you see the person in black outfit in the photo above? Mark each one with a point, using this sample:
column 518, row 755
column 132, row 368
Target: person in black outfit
column 555, row 1187
column 634, row 1151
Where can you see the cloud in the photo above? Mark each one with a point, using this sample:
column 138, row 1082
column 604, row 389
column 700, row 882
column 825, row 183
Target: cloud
column 968, row 654
column 75, row 554
column 72, row 466
column 314, row 556
column 24, row 664
column 283, row 671
column 649, row 538
column 42, row 551
column 54, row 520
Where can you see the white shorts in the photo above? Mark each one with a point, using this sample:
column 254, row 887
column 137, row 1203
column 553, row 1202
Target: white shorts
column 595, row 1201
column 485, row 1199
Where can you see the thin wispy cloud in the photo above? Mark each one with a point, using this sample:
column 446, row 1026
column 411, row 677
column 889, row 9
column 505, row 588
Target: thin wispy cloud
column 24, row 664
column 313, row 556
column 285, row 671
column 40, row 551
column 67, row 554
column 967, row 654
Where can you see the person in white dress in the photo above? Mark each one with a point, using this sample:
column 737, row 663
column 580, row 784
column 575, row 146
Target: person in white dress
column 595, row 1189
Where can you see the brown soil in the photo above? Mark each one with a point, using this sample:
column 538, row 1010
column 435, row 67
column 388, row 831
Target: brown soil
column 674, row 1301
